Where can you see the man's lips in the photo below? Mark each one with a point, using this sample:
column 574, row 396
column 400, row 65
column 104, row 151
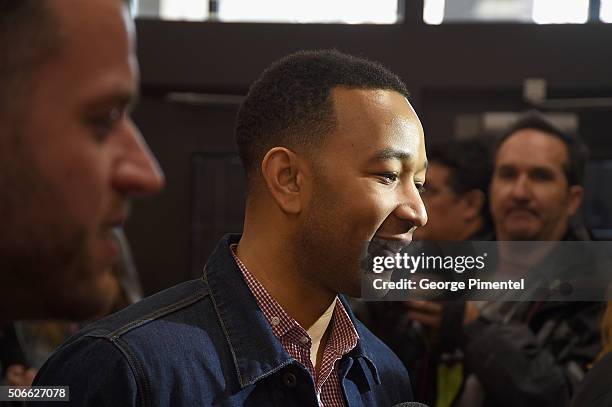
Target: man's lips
column 118, row 216
column 521, row 212
column 116, row 220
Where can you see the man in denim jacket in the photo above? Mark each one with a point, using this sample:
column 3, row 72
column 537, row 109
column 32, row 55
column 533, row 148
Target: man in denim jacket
column 334, row 156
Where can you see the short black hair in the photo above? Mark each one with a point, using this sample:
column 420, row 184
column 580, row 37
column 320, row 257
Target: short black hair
column 290, row 104
column 469, row 164
column 27, row 37
column 577, row 151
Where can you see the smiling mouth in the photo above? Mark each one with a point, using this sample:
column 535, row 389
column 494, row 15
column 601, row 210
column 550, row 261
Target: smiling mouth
column 389, row 246
column 403, row 239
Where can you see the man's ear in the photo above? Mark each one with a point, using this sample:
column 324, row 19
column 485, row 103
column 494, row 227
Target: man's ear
column 473, row 201
column 576, row 192
column 283, row 174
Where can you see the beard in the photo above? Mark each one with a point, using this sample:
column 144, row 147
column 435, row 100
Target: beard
column 325, row 251
column 45, row 261
column 50, row 280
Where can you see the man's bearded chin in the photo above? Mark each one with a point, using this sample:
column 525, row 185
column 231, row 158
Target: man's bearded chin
column 318, row 253
column 46, row 279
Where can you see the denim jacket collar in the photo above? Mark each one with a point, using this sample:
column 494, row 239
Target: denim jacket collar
column 256, row 351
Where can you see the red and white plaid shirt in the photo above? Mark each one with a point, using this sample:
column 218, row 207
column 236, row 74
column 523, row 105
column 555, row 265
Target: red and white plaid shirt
column 296, row 341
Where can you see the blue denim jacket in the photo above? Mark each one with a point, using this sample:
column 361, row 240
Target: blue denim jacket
column 206, row 343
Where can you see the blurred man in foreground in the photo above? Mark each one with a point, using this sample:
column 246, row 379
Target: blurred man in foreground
column 334, row 156
column 70, row 157
column 26, row 345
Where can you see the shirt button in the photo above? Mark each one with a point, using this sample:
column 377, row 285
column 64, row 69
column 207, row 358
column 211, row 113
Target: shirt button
column 289, row 380
column 304, row 340
column 275, row 321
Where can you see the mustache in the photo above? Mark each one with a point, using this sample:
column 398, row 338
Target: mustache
column 522, row 207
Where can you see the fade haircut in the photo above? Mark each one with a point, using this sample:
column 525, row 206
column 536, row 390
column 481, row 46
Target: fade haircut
column 290, row 105
column 577, row 151
column 28, row 36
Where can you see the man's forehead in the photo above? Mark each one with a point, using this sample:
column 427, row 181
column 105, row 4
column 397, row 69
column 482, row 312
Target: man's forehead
column 530, row 147
column 375, row 100
column 374, row 111
column 98, row 52
column 86, row 25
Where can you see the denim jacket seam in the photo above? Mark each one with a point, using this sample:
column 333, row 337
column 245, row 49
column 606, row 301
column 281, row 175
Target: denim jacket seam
column 156, row 314
column 271, row 372
column 137, row 368
column 224, row 329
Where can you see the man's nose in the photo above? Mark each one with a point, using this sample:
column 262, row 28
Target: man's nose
column 521, row 188
column 137, row 172
column 411, row 207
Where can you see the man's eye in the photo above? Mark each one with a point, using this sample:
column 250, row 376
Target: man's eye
column 389, row 177
column 429, row 190
column 506, row 173
column 103, row 125
column 421, row 188
column 542, row 175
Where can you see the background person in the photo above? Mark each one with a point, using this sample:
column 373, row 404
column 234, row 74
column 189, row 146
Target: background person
column 455, row 196
column 531, row 353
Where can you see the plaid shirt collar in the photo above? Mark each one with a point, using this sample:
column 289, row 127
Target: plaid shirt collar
column 237, row 311
column 296, row 341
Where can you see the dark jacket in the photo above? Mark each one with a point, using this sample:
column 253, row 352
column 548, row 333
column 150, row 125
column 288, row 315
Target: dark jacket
column 596, row 390
column 206, row 343
column 537, row 359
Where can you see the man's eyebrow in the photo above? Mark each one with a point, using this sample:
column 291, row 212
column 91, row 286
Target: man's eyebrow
column 120, row 97
column 394, row 154
column 542, row 169
column 530, row 168
column 391, row 154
